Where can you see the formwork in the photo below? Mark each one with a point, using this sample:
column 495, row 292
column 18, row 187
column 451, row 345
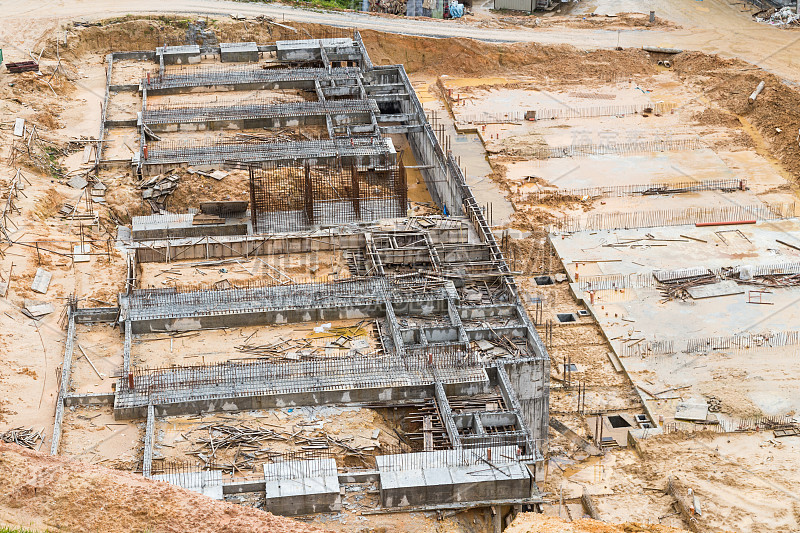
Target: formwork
column 296, row 197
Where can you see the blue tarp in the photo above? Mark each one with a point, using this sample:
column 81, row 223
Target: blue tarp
column 456, row 9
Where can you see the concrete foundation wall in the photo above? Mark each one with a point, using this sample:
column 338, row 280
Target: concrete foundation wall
column 530, row 380
column 354, row 396
column 210, row 248
column 432, row 486
column 282, row 316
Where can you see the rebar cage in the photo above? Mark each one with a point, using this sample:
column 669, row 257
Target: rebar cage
column 298, row 196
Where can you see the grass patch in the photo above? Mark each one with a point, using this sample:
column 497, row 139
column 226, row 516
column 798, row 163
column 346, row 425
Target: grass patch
column 6, row 529
column 325, row 4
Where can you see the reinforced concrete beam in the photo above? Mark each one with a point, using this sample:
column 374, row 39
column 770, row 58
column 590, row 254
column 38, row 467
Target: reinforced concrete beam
column 66, row 375
column 147, row 460
column 446, row 414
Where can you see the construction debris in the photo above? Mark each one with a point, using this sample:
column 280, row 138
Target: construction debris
column 786, row 16
column 252, row 451
column 27, row 438
column 755, row 94
column 41, row 282
column 677, row 288
column 23, row 66
column 156, row 189
column 34, row 309
column 348, row 340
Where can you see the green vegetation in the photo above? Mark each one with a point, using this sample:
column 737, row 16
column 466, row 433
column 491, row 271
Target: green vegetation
column 6, row 529
column 324, row 4
column 174, row 20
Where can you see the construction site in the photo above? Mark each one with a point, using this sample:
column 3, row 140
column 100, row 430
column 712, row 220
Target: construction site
column 298, row 276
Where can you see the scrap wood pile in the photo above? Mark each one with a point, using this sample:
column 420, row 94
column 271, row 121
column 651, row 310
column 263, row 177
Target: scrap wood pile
column 156, row 189
column 322, row 342
column 678, row 288
column 250, row 447
column 27, row 438
column 771, row 280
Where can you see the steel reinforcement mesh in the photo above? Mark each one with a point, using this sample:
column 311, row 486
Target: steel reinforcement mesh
column 297, row 196
column 448, row 364
column 198, row 76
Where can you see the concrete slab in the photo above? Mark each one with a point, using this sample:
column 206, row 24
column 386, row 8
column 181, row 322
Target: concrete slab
column 723, row 288
column 80, row 253
column 446, row 476
column 690, row 345
column 691, row 411
column 77, row 182
column 36, row 309
column 633, row 169
column 41, row 281
column 757, row 245
column 179, row 55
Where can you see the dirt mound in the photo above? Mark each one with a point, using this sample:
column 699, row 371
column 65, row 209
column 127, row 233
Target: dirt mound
column 618, row 21
column 466, row 57
column 536, row 523
column 57, row 494
column 774, row 117
column 136, row 32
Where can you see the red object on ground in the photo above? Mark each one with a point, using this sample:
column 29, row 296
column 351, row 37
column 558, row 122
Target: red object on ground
column 731, row 223
column 23, row 66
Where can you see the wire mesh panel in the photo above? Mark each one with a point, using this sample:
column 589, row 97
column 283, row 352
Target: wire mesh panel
column 295, row 197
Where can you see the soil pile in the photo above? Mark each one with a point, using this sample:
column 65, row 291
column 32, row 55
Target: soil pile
column 774, row 117
column 57, row 494
column 536, row 523
column 466, row 57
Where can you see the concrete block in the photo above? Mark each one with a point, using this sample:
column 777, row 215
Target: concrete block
column 179, row 55
column 302, row 487
column 238, row 52
column 41, row 282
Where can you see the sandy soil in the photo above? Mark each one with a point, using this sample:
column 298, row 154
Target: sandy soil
column 64, row 495
column 532, row 523
column 33, row 350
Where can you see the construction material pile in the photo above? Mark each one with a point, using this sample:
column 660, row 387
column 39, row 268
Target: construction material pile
column 27, row 438
column 393, row 7
column 786, row 16
column 249, row 446
column 678, row 288
column 156, row 189
column 325, row 341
